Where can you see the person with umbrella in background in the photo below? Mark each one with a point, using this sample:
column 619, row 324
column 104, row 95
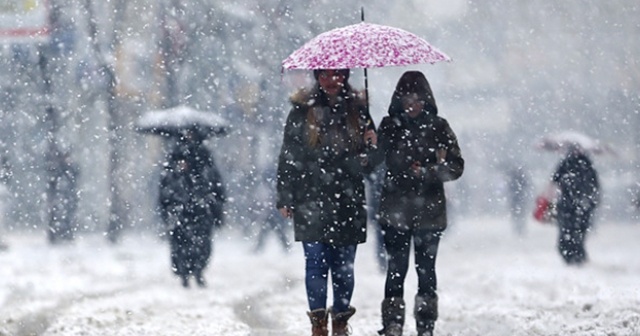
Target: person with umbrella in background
column 579, row 186
column 192, row 195
column 421, row 152
column 320, row 184
column 191, row 201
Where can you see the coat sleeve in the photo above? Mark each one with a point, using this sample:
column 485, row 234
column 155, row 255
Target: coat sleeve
column 453, row 166
column 290, row 160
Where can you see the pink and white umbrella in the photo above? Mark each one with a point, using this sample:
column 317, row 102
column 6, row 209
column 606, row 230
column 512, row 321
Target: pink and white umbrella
column 363, row 45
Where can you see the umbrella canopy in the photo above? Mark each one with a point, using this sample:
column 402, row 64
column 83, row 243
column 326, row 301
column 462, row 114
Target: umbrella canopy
column 570, row 139
column 363, row 45
column 176, row 120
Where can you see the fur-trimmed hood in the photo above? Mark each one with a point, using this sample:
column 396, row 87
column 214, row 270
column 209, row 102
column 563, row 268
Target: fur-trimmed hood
column 310, row 97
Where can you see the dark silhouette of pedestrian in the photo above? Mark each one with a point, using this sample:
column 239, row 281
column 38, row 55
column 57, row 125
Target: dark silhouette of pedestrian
column 191, row 201
column 374, row 183
column 63, row 188
column 271, row 221
column 579, row 186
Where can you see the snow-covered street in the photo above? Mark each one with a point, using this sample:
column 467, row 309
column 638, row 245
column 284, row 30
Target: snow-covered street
column 489, row 284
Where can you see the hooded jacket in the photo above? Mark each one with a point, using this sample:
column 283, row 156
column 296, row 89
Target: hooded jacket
column 320, row 168
column 409, row 200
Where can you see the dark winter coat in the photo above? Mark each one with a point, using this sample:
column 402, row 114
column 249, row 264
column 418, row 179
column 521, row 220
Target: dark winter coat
column 324, row 184
column 191, row 204
column 409, row 200
column 195, row 195
column 579, row 186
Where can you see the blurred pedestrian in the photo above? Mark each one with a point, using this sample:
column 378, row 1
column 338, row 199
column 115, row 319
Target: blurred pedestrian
column 191, row 203
column 518, row 192
column 271, row 221
column 63, row 188
column 579, row 186
column 635, row 196
column 321, row 186
column 374, row 183
column 5, row 198
column 421, row 152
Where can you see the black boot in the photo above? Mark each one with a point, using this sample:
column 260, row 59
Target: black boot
column 393, row 311
column 426, row 313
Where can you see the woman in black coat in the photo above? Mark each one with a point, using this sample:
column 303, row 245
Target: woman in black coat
column 579, row 187
column 191, row 204
column 421, row 152
column 321, row 186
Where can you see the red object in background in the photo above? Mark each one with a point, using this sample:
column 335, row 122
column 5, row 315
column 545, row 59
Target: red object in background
column 543, row 211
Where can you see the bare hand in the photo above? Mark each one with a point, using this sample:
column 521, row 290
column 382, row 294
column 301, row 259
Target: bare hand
column 416, row 167
column 441, row 155
column 286, row 212
column 370, row 137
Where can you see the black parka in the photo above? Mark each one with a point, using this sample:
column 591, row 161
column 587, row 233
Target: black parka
column 579, row 186
column 191, row 204
column 409, row 200
column 324, row 184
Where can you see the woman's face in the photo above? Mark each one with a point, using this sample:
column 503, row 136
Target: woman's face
column 331, row 82
column 412, row 104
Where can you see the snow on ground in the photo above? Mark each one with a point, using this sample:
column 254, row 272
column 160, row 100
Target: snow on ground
column 490, row 283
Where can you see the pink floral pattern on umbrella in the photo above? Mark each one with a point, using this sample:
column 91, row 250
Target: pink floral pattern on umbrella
column 363, row 45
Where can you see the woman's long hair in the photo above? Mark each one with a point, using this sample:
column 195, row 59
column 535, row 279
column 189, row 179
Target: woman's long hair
column 412, row 82
column 349, row 98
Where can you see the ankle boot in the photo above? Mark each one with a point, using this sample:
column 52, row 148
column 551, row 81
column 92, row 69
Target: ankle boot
column 339, row 322
column 319, row 322
column 392, row 316
column 426, row 314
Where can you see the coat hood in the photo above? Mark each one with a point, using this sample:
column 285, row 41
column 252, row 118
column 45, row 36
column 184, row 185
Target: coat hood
column 412, row 82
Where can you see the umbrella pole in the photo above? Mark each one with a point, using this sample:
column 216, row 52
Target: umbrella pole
column 366, row 76
column 366, row 89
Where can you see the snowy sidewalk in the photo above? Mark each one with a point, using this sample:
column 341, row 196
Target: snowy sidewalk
column 490, row 283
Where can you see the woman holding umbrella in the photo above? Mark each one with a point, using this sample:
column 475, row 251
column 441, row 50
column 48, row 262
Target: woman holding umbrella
column 321, row 186
column 421, row 152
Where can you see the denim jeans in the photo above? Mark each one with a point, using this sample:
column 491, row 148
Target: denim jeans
column 319, row 259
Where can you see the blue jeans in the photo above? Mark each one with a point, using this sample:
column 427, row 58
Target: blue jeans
column 319, row 259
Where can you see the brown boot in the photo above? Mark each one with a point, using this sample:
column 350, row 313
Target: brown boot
column 339, row 322
column 319, row 322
